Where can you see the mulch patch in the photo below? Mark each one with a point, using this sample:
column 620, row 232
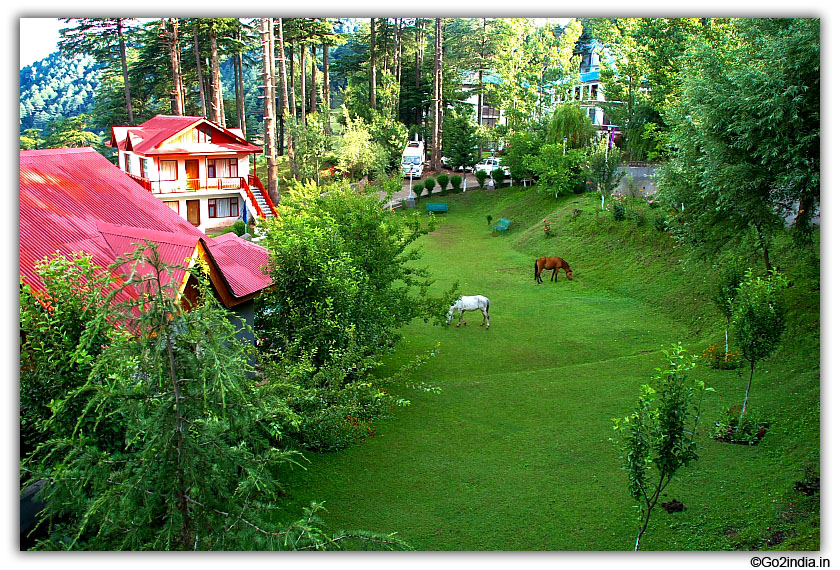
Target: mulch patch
column 673, row 506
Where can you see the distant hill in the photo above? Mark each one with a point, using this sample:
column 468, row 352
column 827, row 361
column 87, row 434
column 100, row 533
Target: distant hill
column 56, row 87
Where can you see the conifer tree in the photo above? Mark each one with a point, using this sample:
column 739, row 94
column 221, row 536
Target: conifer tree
column 198, row 467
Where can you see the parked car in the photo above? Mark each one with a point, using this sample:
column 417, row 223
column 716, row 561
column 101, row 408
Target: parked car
column 490, row 164
column 446, row 163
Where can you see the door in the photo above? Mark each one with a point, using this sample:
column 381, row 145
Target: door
column 194, row 212
column 191, row 166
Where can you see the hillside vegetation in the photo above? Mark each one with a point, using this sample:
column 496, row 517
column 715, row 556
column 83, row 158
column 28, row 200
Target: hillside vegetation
column 56, row 87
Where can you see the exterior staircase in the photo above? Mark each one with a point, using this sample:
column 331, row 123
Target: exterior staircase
column 261, row 203
column 257, row 202
column 258, row 198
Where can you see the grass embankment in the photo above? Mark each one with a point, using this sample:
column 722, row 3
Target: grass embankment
column 514, row 453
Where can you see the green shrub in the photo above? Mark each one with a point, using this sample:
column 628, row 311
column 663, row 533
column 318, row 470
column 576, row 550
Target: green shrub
column 659, row 223
column 558, row 173
column 324, row 336
column 481, row 177
column 239, row 227
column 522, row 148
column 418, row 188
column 455, row 181
column 498, row 175
column 619, row 211
column 634, row 215
column 443, row 182
column 429, row 183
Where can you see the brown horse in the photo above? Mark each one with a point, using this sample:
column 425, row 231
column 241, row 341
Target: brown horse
column 555, row 263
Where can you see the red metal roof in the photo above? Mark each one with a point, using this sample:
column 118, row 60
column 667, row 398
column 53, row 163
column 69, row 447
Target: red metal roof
column 147, row 138
column 76, row 200
column 241, row 261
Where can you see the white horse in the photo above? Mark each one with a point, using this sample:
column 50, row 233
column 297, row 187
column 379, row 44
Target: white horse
column 473, row 303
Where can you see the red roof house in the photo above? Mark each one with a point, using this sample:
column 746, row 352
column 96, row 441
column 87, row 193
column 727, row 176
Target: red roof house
column 75, row 200
column 196, row 167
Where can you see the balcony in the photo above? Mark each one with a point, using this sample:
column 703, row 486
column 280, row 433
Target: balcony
column 190, row 184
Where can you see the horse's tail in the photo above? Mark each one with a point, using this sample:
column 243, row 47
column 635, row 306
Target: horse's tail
column 487, row 304
column 536, row 269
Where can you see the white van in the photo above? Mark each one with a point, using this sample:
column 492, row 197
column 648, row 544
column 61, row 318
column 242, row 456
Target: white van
column 412, row 159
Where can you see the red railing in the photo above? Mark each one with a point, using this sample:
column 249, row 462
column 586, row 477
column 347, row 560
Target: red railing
column 254, row 180
column 144, row 182
column 192, row 184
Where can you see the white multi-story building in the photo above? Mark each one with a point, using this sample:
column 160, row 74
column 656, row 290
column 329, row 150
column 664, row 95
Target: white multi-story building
column 196, row 167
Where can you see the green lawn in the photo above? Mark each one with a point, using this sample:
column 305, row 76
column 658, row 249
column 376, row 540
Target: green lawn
column 514, row 453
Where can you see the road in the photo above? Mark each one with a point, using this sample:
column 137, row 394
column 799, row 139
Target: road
column 406, row 185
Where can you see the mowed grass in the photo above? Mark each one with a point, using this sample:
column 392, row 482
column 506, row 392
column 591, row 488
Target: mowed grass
column 514, row 452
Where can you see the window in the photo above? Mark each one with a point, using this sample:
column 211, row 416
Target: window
column 146, row 163
column 169, row 170
column 223, row 207
column 173, row 205
column 202, row 134
column 222, row 168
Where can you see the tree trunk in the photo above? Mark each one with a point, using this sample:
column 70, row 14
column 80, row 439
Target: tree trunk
column 216, row 102
column 199, row 72
column 313, row 85
column 236, row 72
column 373, row 64
column 395, row 45
column 268, row 106
column 326, row 54
column 293, row 98
column 418, row 64
column 747, row 396
column 438, row 97
column 172, row 44
column 284, row 88
column 240, row 86
column 482, row 55
column 397, row 64
column 179, row 82
column 272, row 61
column 126, row 83
column 302, row 84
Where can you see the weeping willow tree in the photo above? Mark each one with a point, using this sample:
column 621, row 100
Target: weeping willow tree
column 570, row 124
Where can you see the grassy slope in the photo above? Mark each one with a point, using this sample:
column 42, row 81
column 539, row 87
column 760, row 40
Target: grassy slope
column 514, row 453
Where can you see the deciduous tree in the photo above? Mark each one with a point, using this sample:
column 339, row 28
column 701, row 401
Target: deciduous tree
column 659, row 436
column 758, row 319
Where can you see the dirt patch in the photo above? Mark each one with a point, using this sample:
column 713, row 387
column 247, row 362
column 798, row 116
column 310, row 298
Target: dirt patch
column 808, row 487
column 776, row 538
column 673, row 506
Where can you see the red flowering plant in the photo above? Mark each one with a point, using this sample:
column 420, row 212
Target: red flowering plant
column 716, row 357
column 547, row 228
